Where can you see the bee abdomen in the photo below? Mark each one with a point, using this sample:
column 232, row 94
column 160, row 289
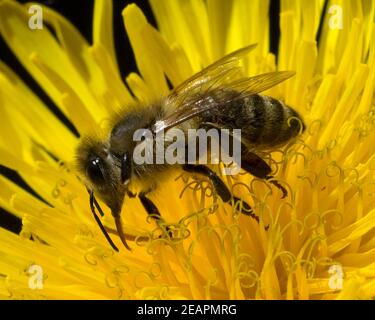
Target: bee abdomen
column 271, row 122
column 264, row 121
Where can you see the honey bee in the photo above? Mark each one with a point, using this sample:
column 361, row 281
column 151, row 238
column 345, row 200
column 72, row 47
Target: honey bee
column 219, row 96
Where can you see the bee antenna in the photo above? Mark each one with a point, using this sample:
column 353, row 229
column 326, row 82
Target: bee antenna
column 93, row 204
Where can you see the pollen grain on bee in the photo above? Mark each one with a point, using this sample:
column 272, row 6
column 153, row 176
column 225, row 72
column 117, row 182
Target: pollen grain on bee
column 201, row 146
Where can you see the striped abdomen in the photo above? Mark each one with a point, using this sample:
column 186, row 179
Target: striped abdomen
column 264, row 121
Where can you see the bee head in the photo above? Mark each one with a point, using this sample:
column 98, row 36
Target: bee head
column 106, row 175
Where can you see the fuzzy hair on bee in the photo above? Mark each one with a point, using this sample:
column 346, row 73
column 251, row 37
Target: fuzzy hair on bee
column 218, row 97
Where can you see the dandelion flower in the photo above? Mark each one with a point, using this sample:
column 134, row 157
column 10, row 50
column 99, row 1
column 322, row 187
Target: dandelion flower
column 320, row 243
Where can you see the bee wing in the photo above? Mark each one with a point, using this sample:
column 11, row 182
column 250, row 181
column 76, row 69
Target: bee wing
column 223, row 69
column 216, row 85
column 219, row 96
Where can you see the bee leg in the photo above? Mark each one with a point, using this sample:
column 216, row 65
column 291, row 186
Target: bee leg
column 245, row 208
column 130, row 194
column 221, row 189
column 219, row 185
column 271, row 179
column 153, row 212
column 255, row 165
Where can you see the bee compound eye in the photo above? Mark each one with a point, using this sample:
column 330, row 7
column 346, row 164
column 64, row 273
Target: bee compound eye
column 95, row 170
